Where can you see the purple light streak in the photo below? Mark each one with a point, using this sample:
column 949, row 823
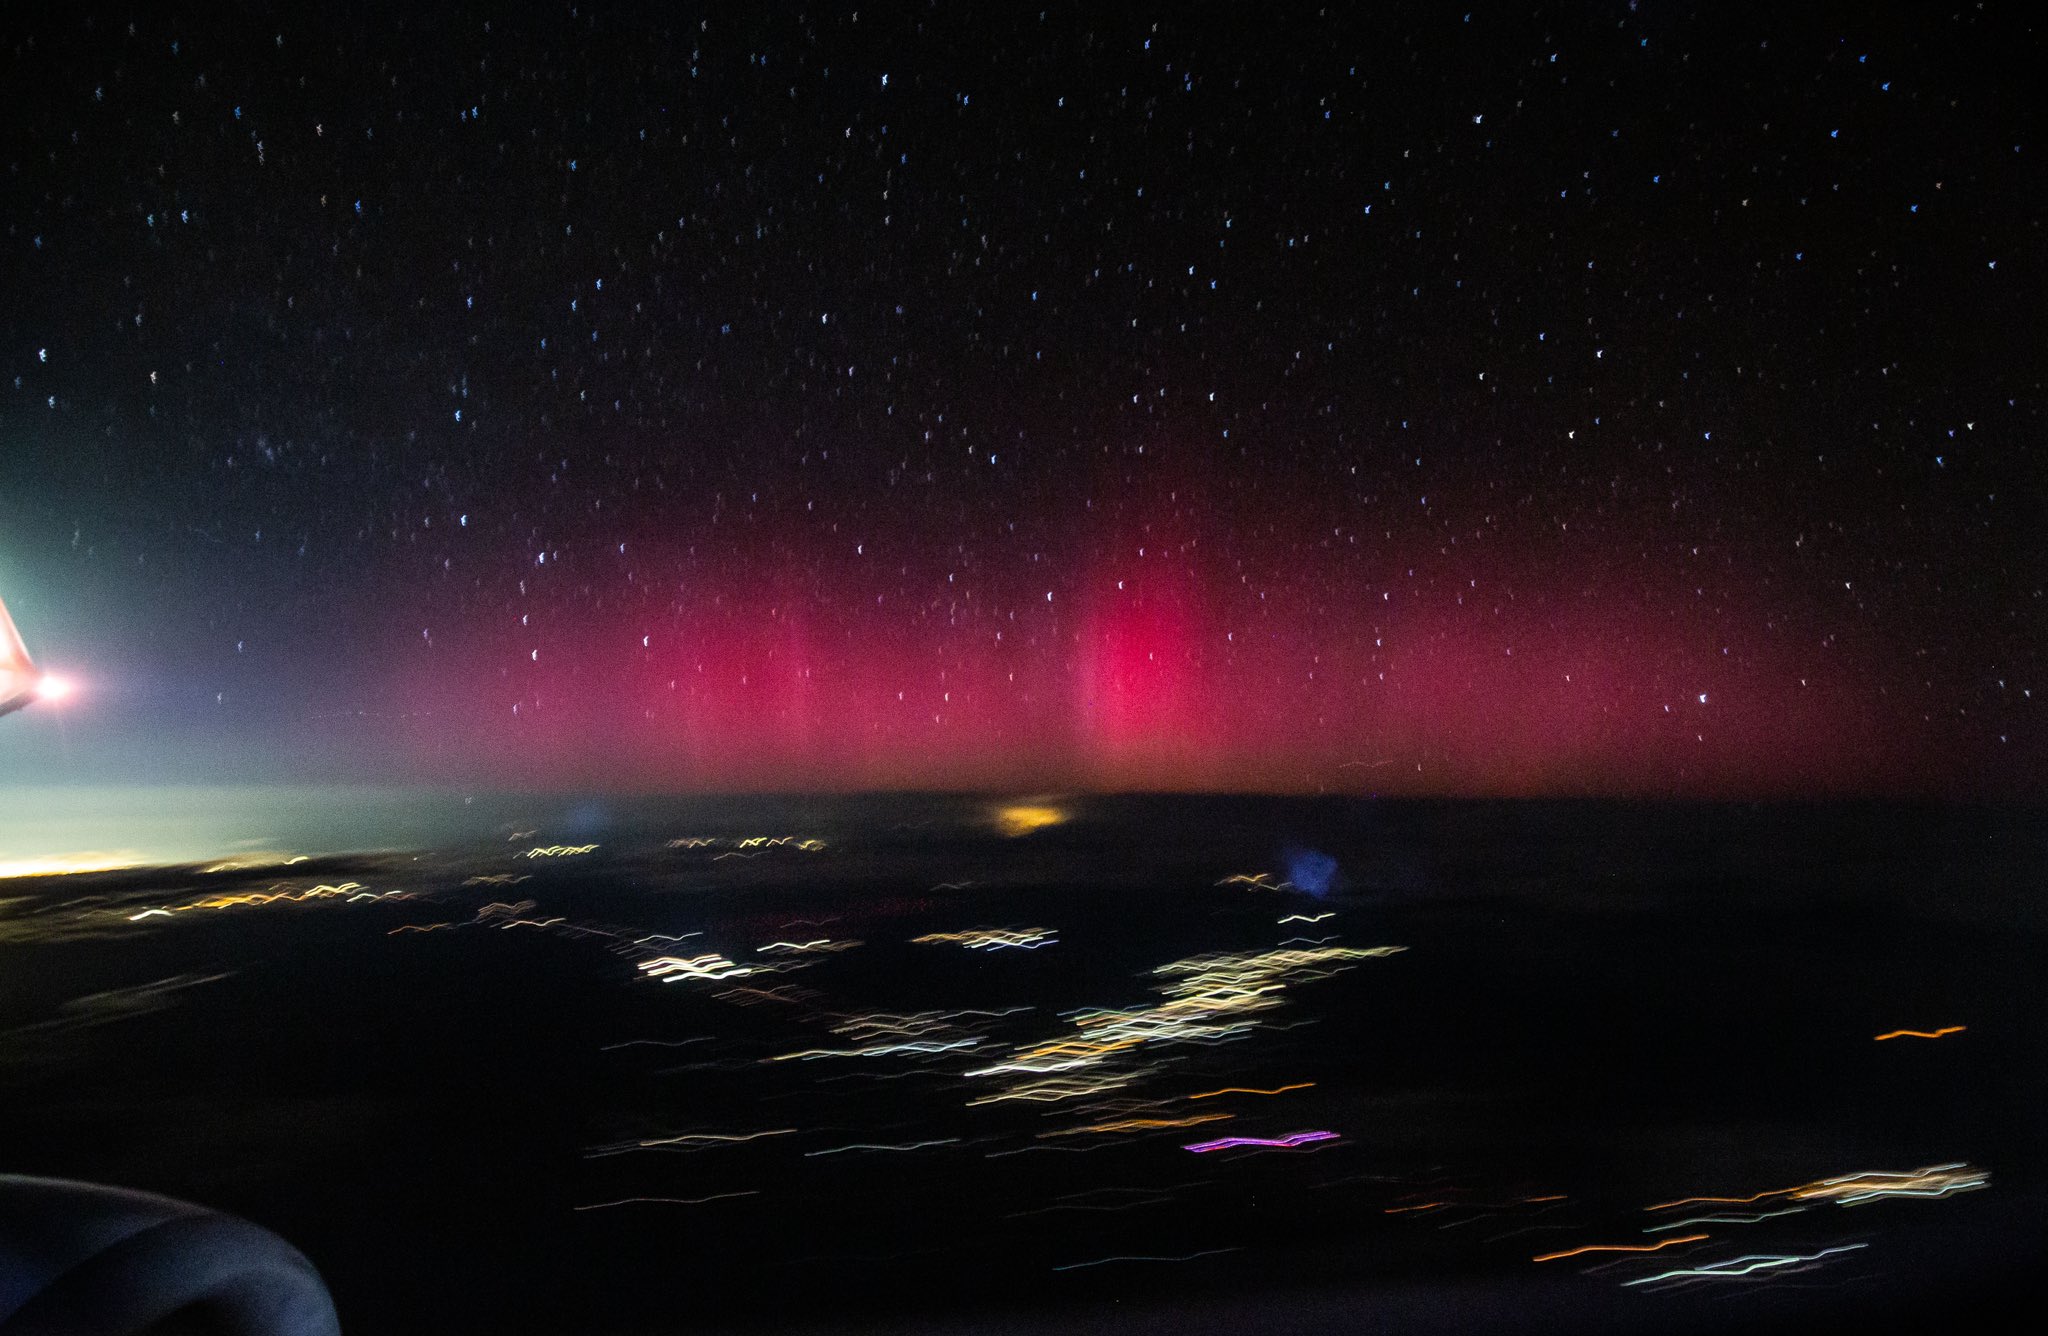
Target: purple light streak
column 1282, row 1143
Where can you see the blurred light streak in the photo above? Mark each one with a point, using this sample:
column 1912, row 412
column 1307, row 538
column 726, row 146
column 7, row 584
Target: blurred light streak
column 1726, row 1219
column 670, row 938
column 1139, row 1124
column 1287, row 1142
column 690, row 1137
column 114, row 1004
column 993, row 939
column 827, row 945
column 910, row 1024
column 748, row 995
column 1707, row 1201
column 255, row 863
column 1201, row 992
column 1256, row 881
column 711, row 965
column 1620, row 1247
column 656, row 1043
column 558, row 850
column 1937, row 1180
column 1189, row 1257
column 1020, row 819
column 1039, row 1146
column 1247, row 1090
column 1923, row 1034
column 1744, row 1266
column 693, row 1139
column 351, row 891
column 867, row 1145
column 1269, row 962
column 1047, row 1092
column 666, row 1201
column 918, row 1046
column 1031, row 1068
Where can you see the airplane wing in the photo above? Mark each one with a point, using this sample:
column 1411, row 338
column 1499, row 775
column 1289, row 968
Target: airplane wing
column 19, row 675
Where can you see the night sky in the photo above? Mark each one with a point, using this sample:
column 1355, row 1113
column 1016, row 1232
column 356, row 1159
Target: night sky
column 1575, row 399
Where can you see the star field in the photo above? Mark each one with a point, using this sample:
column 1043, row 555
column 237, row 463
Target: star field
column 1552, row 399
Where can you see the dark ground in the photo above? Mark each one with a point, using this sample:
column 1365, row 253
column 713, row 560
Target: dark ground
column 1600, row 1008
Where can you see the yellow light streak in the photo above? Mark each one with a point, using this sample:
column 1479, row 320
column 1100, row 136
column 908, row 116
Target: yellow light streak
column 1020, row 819
column 558, row 850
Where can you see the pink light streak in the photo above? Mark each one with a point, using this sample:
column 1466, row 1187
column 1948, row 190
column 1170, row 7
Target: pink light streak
column 1278, row 1143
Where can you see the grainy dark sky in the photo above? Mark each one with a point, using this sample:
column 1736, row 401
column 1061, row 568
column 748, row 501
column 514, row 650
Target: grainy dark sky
column 1574, row 398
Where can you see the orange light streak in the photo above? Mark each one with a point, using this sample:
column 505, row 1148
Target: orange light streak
column 1732, row 1201
column 1620, row 1247
column 1247, row 1090
column 1136, row 1124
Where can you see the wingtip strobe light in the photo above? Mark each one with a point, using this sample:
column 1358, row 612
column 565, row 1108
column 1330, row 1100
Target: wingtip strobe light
column 21, row 682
